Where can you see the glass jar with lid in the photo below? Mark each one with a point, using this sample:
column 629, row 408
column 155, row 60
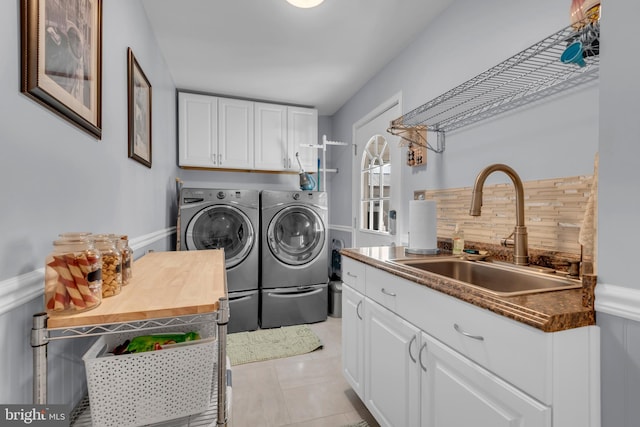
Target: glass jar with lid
column 74, row 235
column 73, row 276
column 111, row 264
column 126, row 252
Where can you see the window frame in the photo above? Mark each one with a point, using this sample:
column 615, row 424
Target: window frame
column 373, row 161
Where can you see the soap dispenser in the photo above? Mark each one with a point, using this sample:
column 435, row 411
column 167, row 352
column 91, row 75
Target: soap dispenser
column 458, row 240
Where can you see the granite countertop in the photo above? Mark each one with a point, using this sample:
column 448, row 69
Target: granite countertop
column 548, row 311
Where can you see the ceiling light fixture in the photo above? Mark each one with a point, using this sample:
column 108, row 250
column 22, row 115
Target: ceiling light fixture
column 305, row 3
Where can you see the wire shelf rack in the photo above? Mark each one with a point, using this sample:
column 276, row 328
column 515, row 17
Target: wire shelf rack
column 529, row 76
column 140, row 325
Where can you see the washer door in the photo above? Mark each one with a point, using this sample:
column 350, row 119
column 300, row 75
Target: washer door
column 296, row 235
column 221, row 227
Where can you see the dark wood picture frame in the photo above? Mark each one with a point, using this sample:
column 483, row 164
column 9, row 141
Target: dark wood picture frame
column 61, row 56
column 139, row 97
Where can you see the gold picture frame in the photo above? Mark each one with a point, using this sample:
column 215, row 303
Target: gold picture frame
column 139, row 97
column 61, row 44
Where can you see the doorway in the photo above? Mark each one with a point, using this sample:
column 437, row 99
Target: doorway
column 370, row 217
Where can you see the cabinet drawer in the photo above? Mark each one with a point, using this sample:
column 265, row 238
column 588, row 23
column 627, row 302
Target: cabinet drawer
column 386, row 289
column 353, row 274
column 516, row 352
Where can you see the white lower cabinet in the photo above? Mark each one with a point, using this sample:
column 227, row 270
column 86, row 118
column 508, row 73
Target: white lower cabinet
column 418, row 357
column 353, row 339
column 457, row 392
column 392, row 373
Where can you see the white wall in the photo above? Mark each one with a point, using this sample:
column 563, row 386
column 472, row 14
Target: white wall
column 556, row 138
column 618, row 290
column 619, row 195
column 57, row 178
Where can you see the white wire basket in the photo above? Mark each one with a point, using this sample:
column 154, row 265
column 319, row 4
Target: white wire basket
column 150, row 387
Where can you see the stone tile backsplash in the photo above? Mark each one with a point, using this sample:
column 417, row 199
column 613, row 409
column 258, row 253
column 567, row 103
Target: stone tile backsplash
column 554, row 211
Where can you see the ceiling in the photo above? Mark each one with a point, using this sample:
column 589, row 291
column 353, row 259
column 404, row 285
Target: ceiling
column 272, row 51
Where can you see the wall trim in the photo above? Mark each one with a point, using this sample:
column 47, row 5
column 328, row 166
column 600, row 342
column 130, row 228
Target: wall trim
column 138, row 243
column 345, row 228
column 618, row 301
column 21, row 289
column 18, row 290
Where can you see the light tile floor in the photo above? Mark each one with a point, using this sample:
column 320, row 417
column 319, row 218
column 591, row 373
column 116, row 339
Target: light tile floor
column 301, row 391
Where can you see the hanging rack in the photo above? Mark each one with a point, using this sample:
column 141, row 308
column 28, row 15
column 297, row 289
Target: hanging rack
column 525, row 78
column 416, row 134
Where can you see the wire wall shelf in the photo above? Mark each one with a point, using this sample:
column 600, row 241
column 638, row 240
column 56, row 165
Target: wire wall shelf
column 529, row 76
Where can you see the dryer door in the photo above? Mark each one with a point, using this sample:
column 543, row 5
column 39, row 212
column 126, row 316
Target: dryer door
column 221, row 227
column 296, row 235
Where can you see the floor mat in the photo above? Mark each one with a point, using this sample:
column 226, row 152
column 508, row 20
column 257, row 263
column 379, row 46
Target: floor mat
column 360, row 424
column 266, row 344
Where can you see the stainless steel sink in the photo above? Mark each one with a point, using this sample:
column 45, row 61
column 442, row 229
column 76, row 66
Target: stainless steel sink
column 497, row 278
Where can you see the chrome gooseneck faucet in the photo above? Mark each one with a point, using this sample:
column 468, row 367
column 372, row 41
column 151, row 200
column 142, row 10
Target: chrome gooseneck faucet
column 520, row 245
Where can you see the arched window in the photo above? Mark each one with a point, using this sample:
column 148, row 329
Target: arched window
column 375, row 185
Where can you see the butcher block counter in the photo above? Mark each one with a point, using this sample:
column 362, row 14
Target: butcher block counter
column 167, row 289
column 548, row 311
column 164, row 284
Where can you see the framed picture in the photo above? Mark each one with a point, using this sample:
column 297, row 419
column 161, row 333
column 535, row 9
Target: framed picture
column 139, row 90
column 62, row 58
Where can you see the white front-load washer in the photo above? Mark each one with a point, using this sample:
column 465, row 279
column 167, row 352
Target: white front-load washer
column 294, row 270
column 226, row 219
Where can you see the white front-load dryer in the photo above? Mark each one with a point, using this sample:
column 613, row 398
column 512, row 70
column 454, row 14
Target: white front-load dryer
column 294, row 270
column 230, row 220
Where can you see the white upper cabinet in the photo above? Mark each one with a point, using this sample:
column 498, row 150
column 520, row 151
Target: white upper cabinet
column 235, row 133
column 271, row 148
column 198, row 130
column 302, row 125
column 229, row 133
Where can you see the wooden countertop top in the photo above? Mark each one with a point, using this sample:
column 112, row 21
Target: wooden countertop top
column 549, row 311
column 164, row 284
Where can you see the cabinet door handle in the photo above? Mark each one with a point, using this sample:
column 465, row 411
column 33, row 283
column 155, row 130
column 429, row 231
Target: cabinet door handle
column 467, row 334
column 214, row 158
column 424, row 346
column 350, row 274
column 413, row 359
column 219, row 159
column 358, row 309
column 391, row 294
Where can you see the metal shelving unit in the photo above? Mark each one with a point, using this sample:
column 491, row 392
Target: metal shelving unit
column 527, row 77
column 323, row 147
column 41, row 336
column 201, row 301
